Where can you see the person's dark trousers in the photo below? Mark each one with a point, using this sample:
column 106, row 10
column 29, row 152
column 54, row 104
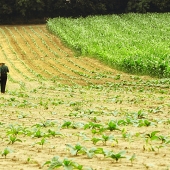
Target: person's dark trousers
column 3, row 83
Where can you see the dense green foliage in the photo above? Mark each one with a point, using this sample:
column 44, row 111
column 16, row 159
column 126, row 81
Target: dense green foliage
column 25, row 10
column 136, row 43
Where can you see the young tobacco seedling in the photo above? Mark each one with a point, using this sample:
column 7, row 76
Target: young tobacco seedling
column 54, row 163
column 66, row 124
column 91, row 152
column 13, row 139
column 46, row 123
column 6, row 151
column 144, row 122
column 75, row 149
column 148, row 138
column 92, row 125
column 42, row 142
column 151, row 136
column 54, row 133
column 95, row 140
column 164, row 139
column 106, row 138
column 38, row 134
column 159, row 146
column 140, row 115
column 112, row 125
column 68, row 164
column 132, row 158
column 117, row 156
column 14, row 130
column 98, row 131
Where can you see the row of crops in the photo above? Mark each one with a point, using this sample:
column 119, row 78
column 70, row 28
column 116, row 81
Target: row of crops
column 85, row 129
column 136, row 43
column 32, row 54
column 33, row 48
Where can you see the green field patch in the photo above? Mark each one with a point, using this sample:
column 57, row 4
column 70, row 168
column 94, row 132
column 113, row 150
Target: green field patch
column 135, row 43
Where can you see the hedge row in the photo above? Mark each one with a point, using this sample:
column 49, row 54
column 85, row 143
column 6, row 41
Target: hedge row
column 34, row 9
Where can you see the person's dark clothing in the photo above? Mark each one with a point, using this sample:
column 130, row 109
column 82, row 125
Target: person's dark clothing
column 3, row 83
column 4, row 70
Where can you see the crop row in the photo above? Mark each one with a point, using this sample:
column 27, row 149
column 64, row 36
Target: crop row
column 105, row 138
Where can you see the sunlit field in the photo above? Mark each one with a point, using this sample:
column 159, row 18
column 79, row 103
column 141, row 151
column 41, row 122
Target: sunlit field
column 65, row 110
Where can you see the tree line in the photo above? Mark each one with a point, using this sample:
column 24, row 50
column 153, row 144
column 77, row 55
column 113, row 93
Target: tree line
column 24, row 10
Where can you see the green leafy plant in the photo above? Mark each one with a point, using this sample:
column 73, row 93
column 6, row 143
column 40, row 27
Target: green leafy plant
column 54, row 163
column 46, row 123
column 117, row 156
column 151, row 136
column 140, row 115
column 132, row 158
column 164, row 139
column 42, row 142
column 38, row 133
column 66, row 124
column 112, row 125
column 98, row 131
column 66, row 163
column 14, row 130
column 159, row 147
column 90, row 152
column 13, row 139
column 6, row 151
column 74, row 150
column 106, row 138
column 54, row 133
column 92, row 125
column 144, row 122
column 95, row 140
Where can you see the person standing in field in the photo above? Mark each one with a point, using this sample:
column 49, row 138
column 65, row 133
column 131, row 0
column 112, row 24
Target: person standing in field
column 3, row 73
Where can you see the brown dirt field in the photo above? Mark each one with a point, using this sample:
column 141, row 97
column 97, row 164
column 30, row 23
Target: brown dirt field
column 48, row 85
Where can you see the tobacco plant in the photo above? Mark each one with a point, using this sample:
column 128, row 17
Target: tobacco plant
column 117, row 156
column 112, row 125
column 6, row 151
column 66, row 163
column 74, row 150
column 106, row 138
column 42, row 142
column 13, row 139
column 54, row 163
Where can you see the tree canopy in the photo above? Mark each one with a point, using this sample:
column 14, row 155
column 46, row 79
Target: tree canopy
column 33, row 9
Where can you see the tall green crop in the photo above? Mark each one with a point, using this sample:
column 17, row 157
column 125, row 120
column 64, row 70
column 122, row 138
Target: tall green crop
column 135, row 43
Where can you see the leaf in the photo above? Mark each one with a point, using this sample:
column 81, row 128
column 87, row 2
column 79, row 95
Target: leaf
column 117, row 156
column 95, row 140
column 75, row 149
column 91, row 152
column 6, row 151
column 68, row 164
column 132, row 158
column 54, row 163
column 112, row 125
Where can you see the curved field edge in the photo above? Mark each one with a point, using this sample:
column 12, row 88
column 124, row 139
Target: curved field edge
column 134, row 43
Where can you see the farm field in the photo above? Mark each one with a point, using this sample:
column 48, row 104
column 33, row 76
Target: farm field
column 72, row 112
column 135, row 43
